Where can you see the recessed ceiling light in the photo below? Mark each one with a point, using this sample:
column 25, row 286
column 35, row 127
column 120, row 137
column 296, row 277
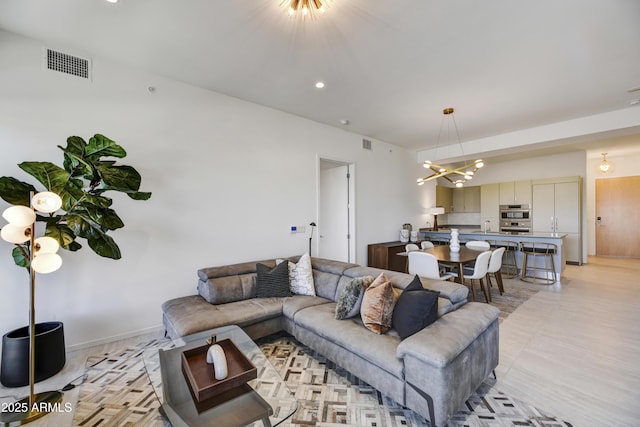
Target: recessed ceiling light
column 112, row 1
column 320, row 85
column 634, row 102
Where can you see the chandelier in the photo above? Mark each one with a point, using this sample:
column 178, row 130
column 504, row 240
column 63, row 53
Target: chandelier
column 458, row 176
column 306, row 8
column 604, row 165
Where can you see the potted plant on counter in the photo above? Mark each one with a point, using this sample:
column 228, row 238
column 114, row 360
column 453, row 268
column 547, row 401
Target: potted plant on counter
column 74, row 206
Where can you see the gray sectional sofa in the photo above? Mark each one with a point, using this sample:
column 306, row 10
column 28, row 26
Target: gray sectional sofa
column 433, row 372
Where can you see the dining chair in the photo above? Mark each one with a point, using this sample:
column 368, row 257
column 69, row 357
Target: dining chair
column 410, row 247
column 479, row 273
column 425, row 244
column 478, row 245
column 426, row 265
column 495, row 265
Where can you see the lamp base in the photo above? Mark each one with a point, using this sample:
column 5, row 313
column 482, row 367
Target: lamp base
column 43, row 404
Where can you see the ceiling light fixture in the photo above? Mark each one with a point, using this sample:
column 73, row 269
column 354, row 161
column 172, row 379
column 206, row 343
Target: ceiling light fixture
column 319, row 85
column 305, row 8
column 464, row 173
column 604, row 165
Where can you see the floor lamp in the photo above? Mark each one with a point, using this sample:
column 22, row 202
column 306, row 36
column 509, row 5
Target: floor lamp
column 42, row 258
column 312, row 225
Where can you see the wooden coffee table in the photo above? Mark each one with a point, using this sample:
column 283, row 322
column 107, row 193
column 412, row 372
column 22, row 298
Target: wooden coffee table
column 267, row 399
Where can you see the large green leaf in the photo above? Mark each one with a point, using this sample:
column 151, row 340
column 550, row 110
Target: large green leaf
column 14, row 191
column 84, row 227
column 119, row 178
column 139, row 195
column 106, row 218
column 20, row 256
column 53, row 177
column 101, row 146
column 62, row 233
column 74, row 157
column 104, row 245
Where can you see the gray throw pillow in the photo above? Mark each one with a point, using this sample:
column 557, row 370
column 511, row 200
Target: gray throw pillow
column 272, row 282
column 348, row 305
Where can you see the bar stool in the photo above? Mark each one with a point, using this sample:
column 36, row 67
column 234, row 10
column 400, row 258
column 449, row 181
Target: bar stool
column 536, row 250
column 509, row 267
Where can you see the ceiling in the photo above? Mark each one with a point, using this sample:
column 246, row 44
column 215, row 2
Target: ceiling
column 390, row 66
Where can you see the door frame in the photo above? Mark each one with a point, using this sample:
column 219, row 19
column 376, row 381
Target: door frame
column 351, row 203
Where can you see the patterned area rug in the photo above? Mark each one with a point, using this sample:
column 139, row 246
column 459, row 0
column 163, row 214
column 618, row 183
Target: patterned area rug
column 512, row 298
column 117, row 392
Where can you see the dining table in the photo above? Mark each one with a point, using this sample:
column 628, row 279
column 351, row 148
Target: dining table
column 456, row 259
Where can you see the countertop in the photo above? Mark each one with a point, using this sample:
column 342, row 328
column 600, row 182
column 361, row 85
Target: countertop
column 479, row 233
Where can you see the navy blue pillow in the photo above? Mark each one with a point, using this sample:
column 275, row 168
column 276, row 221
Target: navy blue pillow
column 416, row 309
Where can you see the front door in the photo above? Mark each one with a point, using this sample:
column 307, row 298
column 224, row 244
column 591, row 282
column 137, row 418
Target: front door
column 617, row 217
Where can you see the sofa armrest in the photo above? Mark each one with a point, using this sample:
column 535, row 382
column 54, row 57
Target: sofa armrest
column 442, row 341
column 445, row 362
column 230, row 283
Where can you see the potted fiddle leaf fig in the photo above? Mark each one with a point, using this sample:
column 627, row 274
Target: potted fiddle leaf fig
column 87, row 174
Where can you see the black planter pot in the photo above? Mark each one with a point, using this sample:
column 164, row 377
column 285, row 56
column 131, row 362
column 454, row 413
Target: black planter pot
column 50, row 355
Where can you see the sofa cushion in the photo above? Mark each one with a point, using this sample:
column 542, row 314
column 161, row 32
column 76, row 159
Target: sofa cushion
column 416, row 309
column 192, row 314
column 326, row 274
column 292, row 305
column 350, row 334
column 272, row 282
column 453, row 291
column 348, row 304
column 377, row 305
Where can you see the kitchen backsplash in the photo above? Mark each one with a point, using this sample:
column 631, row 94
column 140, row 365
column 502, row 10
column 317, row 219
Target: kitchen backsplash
column 459, row 218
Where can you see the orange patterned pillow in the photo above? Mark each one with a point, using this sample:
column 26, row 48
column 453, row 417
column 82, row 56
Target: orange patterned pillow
column 377, row 305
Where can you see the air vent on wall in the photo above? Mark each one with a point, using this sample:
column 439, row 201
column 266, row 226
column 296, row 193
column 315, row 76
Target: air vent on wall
column 366, row 144
column 69, row 64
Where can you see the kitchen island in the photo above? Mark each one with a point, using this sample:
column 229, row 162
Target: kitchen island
column 558, row 239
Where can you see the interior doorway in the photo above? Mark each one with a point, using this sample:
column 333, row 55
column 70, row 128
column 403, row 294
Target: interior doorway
column 617, row 217
column 336, row 210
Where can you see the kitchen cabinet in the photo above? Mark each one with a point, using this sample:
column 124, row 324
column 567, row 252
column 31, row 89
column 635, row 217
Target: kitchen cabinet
column 466, row 199
column 515, row 192
column 557, row 208
column 385, row 256
column 444, row 198
column 490, row 206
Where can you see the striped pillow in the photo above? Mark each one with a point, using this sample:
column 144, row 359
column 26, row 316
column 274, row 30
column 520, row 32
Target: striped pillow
column 272, row 282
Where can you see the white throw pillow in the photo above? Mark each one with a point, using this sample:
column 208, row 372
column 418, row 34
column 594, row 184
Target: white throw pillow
column 301, row 276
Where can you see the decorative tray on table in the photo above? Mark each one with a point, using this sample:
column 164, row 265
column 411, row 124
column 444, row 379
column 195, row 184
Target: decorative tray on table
column 205, row 389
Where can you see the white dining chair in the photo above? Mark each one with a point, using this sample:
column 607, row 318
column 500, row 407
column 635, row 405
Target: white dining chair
column 410, row 247
column 495, row 265
column 425, row 244
column 478, row 245
column 426, row 265
column 479, row 273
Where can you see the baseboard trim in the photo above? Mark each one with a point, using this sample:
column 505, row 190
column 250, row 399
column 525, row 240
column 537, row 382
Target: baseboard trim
column 113, row 338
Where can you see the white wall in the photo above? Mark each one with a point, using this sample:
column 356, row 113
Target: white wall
column 228, row 179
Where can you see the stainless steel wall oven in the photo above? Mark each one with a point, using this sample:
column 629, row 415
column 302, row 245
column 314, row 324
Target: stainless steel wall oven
column 515, row 218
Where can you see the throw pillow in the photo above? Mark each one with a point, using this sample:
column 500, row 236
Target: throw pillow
column 272, row 282
column 301, row 276
column 349, row 302
column 416, row 309
column 377, row 305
